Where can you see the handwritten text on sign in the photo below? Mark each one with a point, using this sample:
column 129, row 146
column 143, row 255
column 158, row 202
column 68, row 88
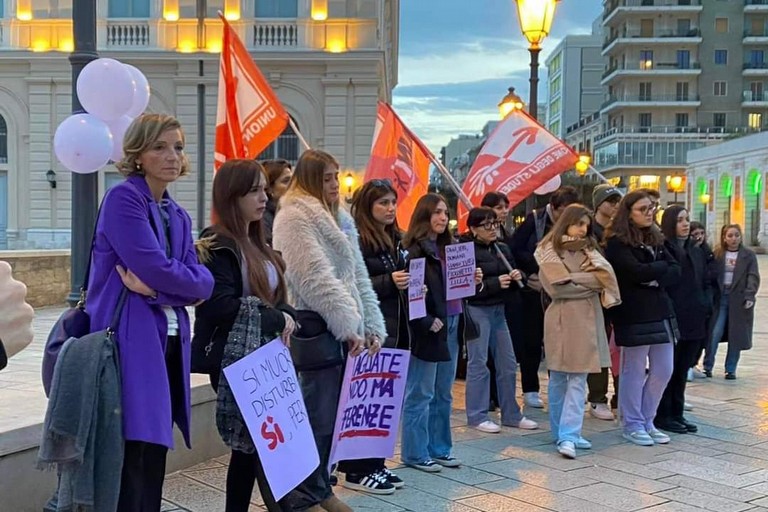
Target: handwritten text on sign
column 417, row 308
column 268, row 395
column 370, row 405
column 460, row 270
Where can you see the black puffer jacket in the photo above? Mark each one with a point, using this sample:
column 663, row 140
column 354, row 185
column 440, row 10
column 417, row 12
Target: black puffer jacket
column 490, row 293
column 425, row 344
column 393, row 302
column 645, row 310
column 689, row 295
column 214, row 318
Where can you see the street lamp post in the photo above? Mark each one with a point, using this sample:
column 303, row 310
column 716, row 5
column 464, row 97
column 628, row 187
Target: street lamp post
column 85, row 187
column 535, row 22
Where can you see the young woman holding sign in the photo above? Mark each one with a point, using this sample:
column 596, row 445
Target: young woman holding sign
column 426, row 442
column 486, row 308
column 243, row 265
column 329, row 283
column 374, row 210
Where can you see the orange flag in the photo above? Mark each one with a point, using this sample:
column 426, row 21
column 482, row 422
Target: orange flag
column 399, row 156
column 249, row 115
column 519, row 156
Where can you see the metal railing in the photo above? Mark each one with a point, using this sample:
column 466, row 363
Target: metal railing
column 128, row 33
column 275, row 33
column 662, row 130
column 612, row 6
column 653, row 66
column 755, row 2
column 650, row 98
column 754, row 96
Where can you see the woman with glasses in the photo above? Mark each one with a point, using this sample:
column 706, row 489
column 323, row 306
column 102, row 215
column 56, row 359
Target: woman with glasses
column 644, row 323
column 486, row 309
column 279, row 174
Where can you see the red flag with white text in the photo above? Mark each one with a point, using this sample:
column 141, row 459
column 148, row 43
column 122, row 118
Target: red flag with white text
column 399, row 156
column 519, row 156
column 249, row 115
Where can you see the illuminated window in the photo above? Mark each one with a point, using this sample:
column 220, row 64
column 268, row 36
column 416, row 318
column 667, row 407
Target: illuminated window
column 755, row 120
column 44, row 9
column 188, row 8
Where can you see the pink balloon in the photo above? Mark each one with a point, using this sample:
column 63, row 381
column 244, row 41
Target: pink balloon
column 548, row 187
column 106, row 88
column 141, row 95
column 118, row 128
column 83, row 143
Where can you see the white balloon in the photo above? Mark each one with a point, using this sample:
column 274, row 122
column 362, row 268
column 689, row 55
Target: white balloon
column 118, row 128
column 548, row 187
column 83, row 143
column 106, row 89
column 141, row 95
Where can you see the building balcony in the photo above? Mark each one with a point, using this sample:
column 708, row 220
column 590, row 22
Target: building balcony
column 650, row 69
column 755, row 6
column 682, row 132
column 620, row 40
column 619, row 10
column 755, row 69
column 653, row 101
column 752, row 99
column 159, row 35
column 755, row 37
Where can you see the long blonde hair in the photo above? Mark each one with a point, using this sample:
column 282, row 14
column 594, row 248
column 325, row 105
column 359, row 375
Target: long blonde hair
column 308, row 176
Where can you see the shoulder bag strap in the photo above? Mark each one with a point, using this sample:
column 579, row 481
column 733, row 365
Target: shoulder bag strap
column 86, row 277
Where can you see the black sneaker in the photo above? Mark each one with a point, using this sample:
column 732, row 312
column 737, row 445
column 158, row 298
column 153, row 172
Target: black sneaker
column 448, row 461
column 375, row 483
column 392, row 478
column 730, row 376
column 708, row 374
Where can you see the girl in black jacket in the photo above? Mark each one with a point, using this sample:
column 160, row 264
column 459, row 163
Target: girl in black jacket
column 242, row 264
column 279, row 174
column 644, row 323
column 689, row 299
column 374, row 209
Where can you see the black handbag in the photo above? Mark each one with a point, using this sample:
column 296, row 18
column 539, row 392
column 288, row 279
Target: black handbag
column 313, row 346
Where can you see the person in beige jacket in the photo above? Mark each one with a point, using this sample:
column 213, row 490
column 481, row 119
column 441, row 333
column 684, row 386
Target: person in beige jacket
column 15, row 316
column 580, row 283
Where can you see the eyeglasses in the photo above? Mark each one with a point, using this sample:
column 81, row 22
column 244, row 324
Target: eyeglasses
column 646, row 210
column 490, row 225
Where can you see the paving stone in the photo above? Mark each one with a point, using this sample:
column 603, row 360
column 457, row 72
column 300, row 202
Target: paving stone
column 723, row 491
column 542, row 497
column 761, row 488
column 361, row 502
column 414, row 499
column 597, row 459
column 744, row 460
column 535, row 474
column 192, row 495
column 633, row 482
column 672, row 506
column 702, row 500
column 616, row 498
column 496, row 503
column 437, row 485
column 693, row 458
column 709, row 473
column 469, row 475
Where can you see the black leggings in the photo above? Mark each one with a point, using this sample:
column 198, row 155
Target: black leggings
column 244, row 470
column 526, row 325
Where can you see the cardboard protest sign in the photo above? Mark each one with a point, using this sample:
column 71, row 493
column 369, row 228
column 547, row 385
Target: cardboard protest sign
column 417, row 307
column 370, row 404
column 460, row 270
column 268, row 395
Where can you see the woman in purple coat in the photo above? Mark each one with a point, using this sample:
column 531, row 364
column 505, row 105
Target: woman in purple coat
column 144, row 242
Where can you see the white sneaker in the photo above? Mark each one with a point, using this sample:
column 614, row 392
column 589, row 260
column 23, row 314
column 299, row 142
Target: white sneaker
column 601, row 412
column 583, row 444
column 532, row 399
column 687, row 406
column 639, row 437
column 658, row 436
column 690, row 375
column 525, row 424
column 488, row 427
column 567, row 449
column 698, row 374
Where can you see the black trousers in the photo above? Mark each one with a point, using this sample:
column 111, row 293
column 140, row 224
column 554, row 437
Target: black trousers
column 598, row 387
column 673, row 399
column 527, row 329
column 141, row 484
column 361, row 467
column 244, row 470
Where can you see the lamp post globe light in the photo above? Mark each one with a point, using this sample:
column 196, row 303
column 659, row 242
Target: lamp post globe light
column 536, row 18
column 511, row 101
column 85, row 187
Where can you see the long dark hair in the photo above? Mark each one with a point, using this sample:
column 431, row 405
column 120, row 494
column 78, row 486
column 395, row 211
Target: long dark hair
column 374, row 236
column 622, row 227
column 669, row 222
column 235, row 179
column 421, row 227
column 571, row 215
column 273, row 170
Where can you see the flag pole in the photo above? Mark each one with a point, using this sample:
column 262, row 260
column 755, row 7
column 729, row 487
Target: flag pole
column 298, row 134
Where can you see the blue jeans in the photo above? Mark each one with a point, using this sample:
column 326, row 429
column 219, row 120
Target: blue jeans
column 426, row 430
column 640, row 393
column 733, row 354
column 566, row 405
column 494, row 334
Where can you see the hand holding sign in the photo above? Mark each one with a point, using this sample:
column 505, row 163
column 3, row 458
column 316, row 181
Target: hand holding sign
column 417, row 307
column 462, row 275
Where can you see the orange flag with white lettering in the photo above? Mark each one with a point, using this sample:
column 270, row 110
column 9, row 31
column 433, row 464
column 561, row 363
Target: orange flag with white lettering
column 249, row 116
column 398, row 156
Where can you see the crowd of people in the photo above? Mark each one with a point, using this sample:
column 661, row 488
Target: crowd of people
column 596, row 290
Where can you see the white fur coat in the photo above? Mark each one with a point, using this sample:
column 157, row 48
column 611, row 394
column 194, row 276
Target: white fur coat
column 325, row 270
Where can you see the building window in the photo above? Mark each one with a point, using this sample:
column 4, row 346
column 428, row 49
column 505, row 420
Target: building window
column 755, row 92
column 128, row 9
column 721, row 25
column 681, row 91
column 554, row 66
column 554, row 86
column 721, row 88
column 188, row 8
column 721, row 57
column 350, row 8
column 718, row 119
column 277, row 9
column 286, row 147
column 757, row 58
column 755, row 120
column 646, row 59
column 681, row 120
column 43, row 9
column 683, row 59
column 3, row 141
column 644, row 120
column 645, row 91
